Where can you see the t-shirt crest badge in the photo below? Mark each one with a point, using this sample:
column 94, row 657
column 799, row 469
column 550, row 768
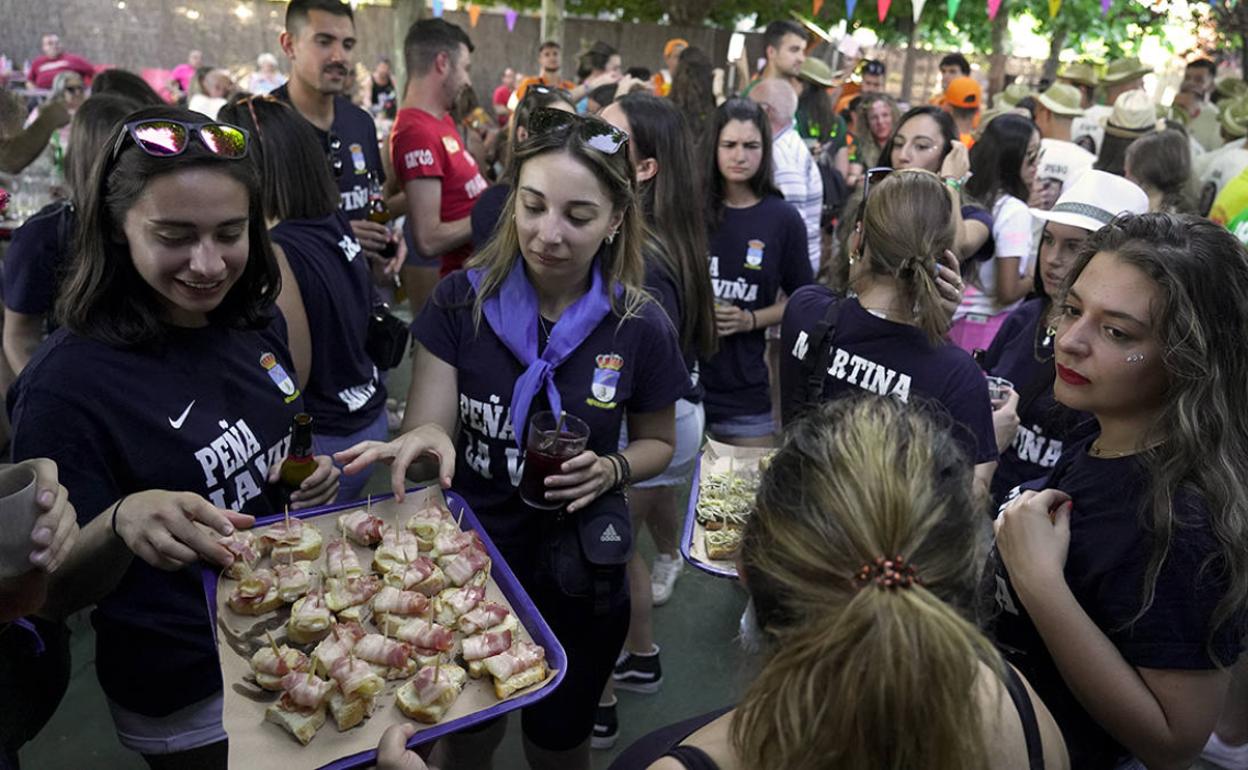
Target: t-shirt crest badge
column 279, row 376
column 451, row 144
column 606, row 378
column 754, row 255
column 357, row 159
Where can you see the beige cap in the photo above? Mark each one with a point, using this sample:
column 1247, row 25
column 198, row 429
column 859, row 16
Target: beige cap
column 1079, row 72
column 1123, row 70
column 1062, row 99
column 1134, row 115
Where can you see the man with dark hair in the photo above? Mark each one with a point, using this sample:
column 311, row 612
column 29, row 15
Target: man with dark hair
column 952, row 66
column 872, row 73
column 318, row 40
column 1203, row 123
column 550, row 64
column 785, row 49
column 438, row 174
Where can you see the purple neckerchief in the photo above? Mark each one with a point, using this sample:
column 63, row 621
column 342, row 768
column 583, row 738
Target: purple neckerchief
column 512, row 314
column 26, row 624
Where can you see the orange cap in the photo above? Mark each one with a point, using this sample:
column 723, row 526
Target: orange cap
column 964, row 92
column 671, row 45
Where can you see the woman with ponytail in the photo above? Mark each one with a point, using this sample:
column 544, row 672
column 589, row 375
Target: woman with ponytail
column 861, row 564
column 888, row 338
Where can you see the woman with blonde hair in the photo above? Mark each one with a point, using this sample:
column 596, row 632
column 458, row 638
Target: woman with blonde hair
column 861, row 562
column 888, row 338
column 550, row 315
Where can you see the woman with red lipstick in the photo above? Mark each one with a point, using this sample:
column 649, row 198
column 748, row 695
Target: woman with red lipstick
column 758, row 248
column 1022, row 351
column 1122, row 584
column 166, row 399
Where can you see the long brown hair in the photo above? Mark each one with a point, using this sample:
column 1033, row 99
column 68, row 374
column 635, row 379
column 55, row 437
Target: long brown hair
column 621, row 261
column 907, row 226
column 866, row 677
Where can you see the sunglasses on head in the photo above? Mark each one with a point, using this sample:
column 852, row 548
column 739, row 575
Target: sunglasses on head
column 598, row 134
column 167, row 137
column 873, row 176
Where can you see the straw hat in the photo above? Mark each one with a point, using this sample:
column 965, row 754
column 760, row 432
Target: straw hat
column 1134, row 115
column 1012, row 95
column 964, row 92
column 1062, row 99
column 1080, row 73
column 817, row 72
column 1231, row 87
column 1233, row 115
column 1123, row 70
column 1093, row 201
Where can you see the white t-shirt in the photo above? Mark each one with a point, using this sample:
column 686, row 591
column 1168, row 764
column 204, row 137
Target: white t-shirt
column 796, row 175
column 1012, row 235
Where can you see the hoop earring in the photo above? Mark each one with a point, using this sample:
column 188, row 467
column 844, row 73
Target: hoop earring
column 611, row 237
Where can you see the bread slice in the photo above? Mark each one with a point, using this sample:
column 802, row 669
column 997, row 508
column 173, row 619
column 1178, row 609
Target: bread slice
column 349, row 713
column 431, row 713
column 519, row 681
column 476, row 669
column 356, row 613
column 307, row 549
column 386, row 672
column 270, row 602
column 305, row 635
column 301, row 724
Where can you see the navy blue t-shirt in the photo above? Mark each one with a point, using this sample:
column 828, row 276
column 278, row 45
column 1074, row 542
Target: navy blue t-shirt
column 208, row 412
column 488, row 466
column 755, row 252
column 36, row 258
column 343, row 392
column 1105, row 565
column 1022, row 352
column 359, row 152
column 487, row 212
column 888, row 359
column 989, row 247
column 663, row 287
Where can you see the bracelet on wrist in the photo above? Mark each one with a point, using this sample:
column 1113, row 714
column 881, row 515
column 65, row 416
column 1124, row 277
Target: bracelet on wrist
column 113, row 520
column 753, row 320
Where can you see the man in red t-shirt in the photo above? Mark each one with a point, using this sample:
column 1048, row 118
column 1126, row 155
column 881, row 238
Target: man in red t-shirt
column 502, row 95
column 54, row 61
column 438, row 173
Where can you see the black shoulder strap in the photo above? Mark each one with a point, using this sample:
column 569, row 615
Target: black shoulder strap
column 692, row 758
column 819, row 355
column 1026, row 713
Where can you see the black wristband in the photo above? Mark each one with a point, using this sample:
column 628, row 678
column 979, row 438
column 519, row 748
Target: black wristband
column 753, row 320
column 113, row 522
column 626, row 472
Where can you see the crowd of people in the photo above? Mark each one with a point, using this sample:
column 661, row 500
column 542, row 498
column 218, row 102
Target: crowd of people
column 997, row 350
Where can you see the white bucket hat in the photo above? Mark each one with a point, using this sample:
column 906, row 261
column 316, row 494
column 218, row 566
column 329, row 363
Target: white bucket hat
column 1093, row 201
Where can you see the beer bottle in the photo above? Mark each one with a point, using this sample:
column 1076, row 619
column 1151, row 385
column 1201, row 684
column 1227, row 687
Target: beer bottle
column 299, row 464
column 377, row 211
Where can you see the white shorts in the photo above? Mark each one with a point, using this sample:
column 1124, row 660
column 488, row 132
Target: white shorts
column 190, row 727
column 690, row 427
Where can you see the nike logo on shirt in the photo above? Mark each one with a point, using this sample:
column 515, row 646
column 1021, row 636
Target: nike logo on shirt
column 177, row 424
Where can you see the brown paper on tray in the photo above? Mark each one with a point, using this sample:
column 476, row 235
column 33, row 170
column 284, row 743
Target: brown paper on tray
column 718, row 459
column 260, row 745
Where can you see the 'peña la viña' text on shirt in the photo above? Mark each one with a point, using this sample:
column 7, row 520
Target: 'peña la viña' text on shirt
column 488, row 419
column 235, row 466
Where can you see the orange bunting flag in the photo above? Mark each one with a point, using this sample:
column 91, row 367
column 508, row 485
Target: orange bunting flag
column 474, row 14
column 815, row 7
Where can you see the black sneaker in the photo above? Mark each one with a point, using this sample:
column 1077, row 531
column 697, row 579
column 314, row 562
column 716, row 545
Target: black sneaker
column 606, row 727
column 639, row 673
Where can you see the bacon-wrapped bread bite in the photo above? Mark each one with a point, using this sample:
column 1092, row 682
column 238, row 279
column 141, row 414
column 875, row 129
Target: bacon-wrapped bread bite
column 420, row 575
column 293, row 580
column 301, row 709
column 451, row 540
column 429, row 641
column 336, row 645
column 486, row 645
column 392, row 607
column 341, row 560
column 470, row 565
column 349, row 596
column 392, row 657
column 449, row 605
column 310, row 619
column 426, row 524
column 361, row 527
column 256, row 594
column 521, row 666
column 247, row 551
column 431, row 693
column 269, row 666
column 294, row 542
column 398, row 548
column 487, row 616
column 358, row 685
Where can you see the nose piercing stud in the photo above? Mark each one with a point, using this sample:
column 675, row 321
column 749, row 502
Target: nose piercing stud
column 1135, row 358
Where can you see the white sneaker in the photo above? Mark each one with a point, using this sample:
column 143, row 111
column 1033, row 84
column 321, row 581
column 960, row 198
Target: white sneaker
column 663, row 576
column 1223, row 755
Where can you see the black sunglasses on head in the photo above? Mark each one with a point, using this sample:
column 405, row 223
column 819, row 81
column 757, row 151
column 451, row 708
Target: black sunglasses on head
column 596, row 133
column 167, row 137
column 873, row 176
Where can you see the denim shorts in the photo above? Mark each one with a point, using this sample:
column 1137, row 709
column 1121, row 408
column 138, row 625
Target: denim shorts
column 190, row 727
column 690, row 430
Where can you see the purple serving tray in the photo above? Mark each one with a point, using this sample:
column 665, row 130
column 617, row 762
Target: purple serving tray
column 686, row 537
column 526, row 613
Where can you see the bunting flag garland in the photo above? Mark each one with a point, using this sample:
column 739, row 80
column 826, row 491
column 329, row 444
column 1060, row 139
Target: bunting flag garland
column 918, row 9
column 882, row 6
column 1054, row 6
column 993, row 7
column 850, row 5
column 953, row 8
column 510, row 17
column 437, row 9
column 474, row 14
column 1105, row 7
column 815, row 7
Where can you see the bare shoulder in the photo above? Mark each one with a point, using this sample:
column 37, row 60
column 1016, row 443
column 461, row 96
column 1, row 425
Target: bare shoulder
column 1008, row 748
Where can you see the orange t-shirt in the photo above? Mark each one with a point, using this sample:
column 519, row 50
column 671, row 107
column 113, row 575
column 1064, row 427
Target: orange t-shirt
column 566, row 85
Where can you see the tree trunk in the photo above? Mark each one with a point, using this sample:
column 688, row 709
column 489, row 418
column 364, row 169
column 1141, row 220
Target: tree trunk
column 552, row 21
column 1243, row 52
column 687, row 13
column 404, row 13
column 996, row 61
column 1055, row 49
column 907, row 69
